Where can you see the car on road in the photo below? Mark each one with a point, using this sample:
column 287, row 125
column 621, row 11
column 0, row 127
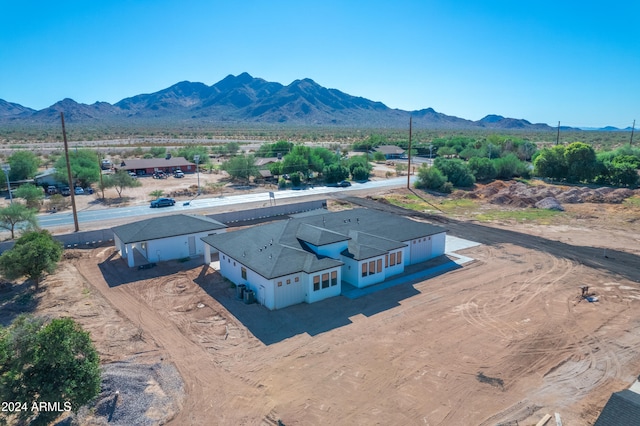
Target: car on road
column 344, row 183
column 163, row 202
column 78, row 190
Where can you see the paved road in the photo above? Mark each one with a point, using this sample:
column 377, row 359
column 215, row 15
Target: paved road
column 51, row 220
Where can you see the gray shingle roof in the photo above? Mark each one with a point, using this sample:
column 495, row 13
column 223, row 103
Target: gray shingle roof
column 165, row 226
column 281, row 248
column 622, row 409
column 150, row 163
column 389, row 149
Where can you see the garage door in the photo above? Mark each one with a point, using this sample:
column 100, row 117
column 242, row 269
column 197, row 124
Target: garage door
column 288, row 294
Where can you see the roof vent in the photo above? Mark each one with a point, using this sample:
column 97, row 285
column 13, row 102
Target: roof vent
column 260, row 249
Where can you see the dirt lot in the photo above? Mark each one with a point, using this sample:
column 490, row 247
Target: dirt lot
column 504, row 338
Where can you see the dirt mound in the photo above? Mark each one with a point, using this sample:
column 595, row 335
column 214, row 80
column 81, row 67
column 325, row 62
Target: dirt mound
column 549, row 203
column 518, row 194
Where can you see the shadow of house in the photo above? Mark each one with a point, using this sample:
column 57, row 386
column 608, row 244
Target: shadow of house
column 115, row 271
column 273, row 326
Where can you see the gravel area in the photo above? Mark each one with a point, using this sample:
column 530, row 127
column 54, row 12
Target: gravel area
column 134, row 394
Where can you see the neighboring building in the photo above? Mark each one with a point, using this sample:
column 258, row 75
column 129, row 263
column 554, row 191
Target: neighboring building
column 148, row 166
column 622, row 409
column 306, row 259
column 390, row 151
column 47, row 178
column 164, row 238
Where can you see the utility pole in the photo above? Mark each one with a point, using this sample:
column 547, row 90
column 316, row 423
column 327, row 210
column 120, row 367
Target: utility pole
column 71, row 187
column 558, row 137
column 409, row 162
column 100, row 166
column 632, row 129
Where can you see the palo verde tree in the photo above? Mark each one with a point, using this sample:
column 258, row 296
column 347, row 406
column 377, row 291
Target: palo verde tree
column 241, row 167
column 34, row 254
column 54, row 363
column 31, row 194
column 119, row 181
column 15, row 214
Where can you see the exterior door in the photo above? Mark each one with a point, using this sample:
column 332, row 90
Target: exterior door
column 192, row 245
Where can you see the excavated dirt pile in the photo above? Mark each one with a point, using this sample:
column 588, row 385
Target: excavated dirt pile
column 520, row 195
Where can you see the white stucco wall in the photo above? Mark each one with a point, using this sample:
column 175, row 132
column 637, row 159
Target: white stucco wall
column 232, row 270
column 174, row 247
column 424, row 248
column 323, row 293
column 330, row 250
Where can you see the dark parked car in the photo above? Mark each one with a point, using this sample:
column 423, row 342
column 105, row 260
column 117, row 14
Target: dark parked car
column 344, row 184
column 65, row 191
column 163, row 202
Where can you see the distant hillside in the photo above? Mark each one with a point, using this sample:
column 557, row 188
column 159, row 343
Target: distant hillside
column 245, row 99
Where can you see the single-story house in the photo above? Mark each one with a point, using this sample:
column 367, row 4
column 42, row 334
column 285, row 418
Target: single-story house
column 390, row 151
column 148, row 166
column 307, row 258
column 622, row 409
column 47, row 178
column 164, row 238
column 262, row 162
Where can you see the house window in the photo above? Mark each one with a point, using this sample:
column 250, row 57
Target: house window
column 334, row 278
column 392, row 259
column 364, row 269
column 243, row 272
column 297, row 279
column 223, row 258
column 316, row 283
column 325, row 280
column 228, row 260
column 288, row 281
column 386, row 260
column 399, row 257
column 279, row 283
column 379, row 265
column 234, row 263
column 372, row 267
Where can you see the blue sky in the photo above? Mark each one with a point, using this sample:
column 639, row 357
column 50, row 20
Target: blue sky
column 545, row 61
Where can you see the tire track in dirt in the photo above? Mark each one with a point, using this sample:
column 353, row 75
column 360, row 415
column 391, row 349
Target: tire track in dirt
column 204, row 383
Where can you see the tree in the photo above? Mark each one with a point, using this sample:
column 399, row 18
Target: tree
column 119, row 181
column 273, row 149
column 430, row 178
column 34, row 253
column 157, row 193
column 24, row 165
column 400, row 169
column 378, row 156
column 17, row 213
column 551, row 163
column 335, row 173
column 31, row 194
column 456, row 171
column 482, row 168
column 233, row 148
column 85, row 169
column 360, row 173
column 158, row 151
column 241, row 167
column 189, row 151
column 55, row 363
column 510, row 166
column 581, row 162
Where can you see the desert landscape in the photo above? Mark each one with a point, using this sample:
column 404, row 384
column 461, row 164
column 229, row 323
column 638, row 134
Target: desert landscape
column 504, row 339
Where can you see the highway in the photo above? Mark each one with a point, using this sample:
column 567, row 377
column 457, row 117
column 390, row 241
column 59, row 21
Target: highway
column 52, row 220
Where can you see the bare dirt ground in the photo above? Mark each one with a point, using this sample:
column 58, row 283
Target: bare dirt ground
column 505, row 338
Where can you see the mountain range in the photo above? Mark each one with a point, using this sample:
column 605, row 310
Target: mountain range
column 244, row 99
